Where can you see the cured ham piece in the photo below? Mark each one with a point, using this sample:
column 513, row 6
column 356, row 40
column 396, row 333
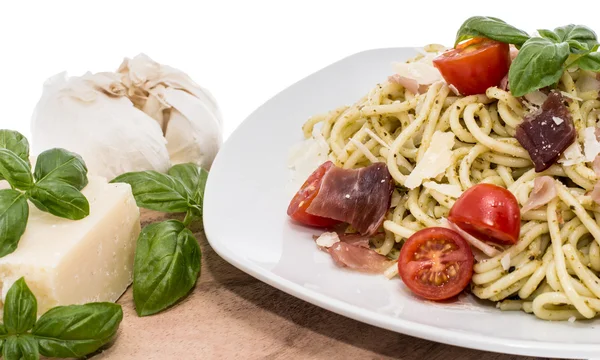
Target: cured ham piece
column 547, row 133
column 595, row 193
column 358, row 258
column 327, row 239
column 359, row 197
column 543, row 192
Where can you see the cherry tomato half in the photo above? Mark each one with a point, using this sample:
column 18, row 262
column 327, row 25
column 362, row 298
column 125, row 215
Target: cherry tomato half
column 488, row 212
column 475, row 65
column 301, row 201
column 436, row 263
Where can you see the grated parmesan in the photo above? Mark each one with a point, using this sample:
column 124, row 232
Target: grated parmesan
column 557, row 120
column 453, row 191
column 566, row 94
column 572, row 319
column 572, row 155
column 435, row 161
column 327, row 239
column 591, row 146
column 421, row 70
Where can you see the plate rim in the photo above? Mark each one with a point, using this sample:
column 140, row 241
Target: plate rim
column 398, row 324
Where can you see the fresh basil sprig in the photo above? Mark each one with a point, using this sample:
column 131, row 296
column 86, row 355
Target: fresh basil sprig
column 542, row 59
column 64, row 331
column 166, row 266
column 491, row 28
column 53, row 187
column 167, row 255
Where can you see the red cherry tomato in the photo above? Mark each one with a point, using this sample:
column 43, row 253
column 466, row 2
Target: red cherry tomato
column 475, row 65
column 301, row 201
column 488, row 212
column 436, row 263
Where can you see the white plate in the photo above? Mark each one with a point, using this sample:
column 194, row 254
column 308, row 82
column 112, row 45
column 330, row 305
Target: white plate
column 246, row 223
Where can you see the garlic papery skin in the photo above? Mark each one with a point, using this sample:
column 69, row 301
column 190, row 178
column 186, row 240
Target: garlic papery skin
column 186, row 112
column 91, row 115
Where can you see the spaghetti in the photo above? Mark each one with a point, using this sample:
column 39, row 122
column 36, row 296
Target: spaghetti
column 552, row 271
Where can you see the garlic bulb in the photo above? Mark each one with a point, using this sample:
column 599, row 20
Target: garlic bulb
column 187, row 113
column 91, row 116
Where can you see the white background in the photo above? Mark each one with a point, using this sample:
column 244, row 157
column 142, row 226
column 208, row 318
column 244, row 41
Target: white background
column 243, row 51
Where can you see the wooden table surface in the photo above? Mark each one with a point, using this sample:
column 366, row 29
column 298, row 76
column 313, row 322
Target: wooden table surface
column 231, row 315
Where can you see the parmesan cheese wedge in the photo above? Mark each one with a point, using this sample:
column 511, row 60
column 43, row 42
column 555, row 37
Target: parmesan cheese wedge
column 74, row 262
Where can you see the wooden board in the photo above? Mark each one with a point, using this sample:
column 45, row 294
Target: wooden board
column 231, row 315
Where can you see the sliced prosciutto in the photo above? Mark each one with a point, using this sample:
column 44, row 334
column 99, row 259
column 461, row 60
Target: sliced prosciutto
column 543, row 192
column 548, row 133
column 359, row 197
column 358, row 258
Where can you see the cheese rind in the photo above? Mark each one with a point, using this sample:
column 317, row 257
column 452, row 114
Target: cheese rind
column 74, row 262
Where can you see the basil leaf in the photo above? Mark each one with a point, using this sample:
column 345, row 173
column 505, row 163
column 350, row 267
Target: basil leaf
column 63, row 165
column 20, row 308
column 15, row 142
column 22, row 347
column 14, row 213
column 155, row 191
column 539, row 64
column 77, row 330
column 492, row 28
column 580, row 33
column 59, row 199
column 193, row 177
column 590, row 62
column 577, row 46
column 15, row 170
column 166, row 266
column 549, row 34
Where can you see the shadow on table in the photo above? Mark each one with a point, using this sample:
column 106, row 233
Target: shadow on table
column 308, row 331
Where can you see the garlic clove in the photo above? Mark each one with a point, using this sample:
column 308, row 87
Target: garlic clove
column 193, row 130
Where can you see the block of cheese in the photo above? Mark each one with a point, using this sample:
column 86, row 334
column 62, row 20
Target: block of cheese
column 74, row 262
